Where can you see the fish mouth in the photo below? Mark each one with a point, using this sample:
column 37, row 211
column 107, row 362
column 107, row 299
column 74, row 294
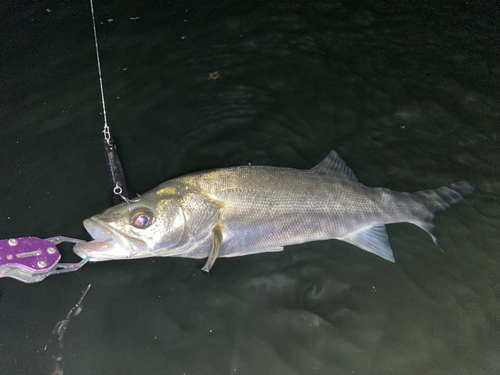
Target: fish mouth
column 107, row 243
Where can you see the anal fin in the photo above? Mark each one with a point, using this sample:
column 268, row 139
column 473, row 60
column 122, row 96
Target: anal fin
column 214, row 251
column 372, row 239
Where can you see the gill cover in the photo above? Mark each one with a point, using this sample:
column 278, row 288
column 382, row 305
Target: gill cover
column 161, row 227
column 202, row 214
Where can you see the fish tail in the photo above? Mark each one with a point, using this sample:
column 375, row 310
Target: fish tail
column 439, row 200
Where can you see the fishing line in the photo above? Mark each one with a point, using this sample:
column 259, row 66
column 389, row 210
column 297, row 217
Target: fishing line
column 106, row 132
column 56, row 344
column 118, row 183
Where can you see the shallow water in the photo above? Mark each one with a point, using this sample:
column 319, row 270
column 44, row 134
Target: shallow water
column 408, row 95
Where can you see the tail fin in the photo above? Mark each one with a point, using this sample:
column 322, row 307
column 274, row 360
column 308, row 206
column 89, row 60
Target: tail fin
column 440, row 200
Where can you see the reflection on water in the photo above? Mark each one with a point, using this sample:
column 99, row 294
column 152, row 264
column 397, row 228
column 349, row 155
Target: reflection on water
column 407, row 94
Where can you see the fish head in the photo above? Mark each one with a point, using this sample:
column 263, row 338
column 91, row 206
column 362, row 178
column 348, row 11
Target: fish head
column 134, row 230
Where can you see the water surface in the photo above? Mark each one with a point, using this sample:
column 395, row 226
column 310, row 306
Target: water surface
column 407, row 94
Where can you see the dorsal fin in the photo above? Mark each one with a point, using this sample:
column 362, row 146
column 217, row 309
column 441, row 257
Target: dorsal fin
column 333, row 165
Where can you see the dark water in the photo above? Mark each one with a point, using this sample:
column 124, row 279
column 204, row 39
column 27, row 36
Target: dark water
column 406, row 92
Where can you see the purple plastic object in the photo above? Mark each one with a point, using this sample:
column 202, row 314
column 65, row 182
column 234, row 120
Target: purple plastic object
column 31, row 259
column 27, row 256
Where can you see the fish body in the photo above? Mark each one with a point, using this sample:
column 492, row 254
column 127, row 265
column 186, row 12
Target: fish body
column 253, row 209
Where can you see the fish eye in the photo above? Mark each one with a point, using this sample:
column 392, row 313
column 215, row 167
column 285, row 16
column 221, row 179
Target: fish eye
column 142, row 218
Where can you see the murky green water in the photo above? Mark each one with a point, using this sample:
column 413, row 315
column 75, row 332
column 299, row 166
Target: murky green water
column 408, row 95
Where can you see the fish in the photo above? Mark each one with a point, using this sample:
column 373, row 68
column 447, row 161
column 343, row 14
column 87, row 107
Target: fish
column 245, row 210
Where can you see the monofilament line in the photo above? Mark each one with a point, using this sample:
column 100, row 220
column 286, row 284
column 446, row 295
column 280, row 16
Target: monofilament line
column 106, row 132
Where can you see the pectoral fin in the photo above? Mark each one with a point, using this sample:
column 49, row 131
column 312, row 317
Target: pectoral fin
column 214, row 251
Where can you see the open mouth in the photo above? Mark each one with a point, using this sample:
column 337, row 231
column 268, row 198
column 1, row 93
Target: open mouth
column 107, row 245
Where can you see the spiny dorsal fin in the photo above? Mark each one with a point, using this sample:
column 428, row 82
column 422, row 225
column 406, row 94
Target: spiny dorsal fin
column 333, row 165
